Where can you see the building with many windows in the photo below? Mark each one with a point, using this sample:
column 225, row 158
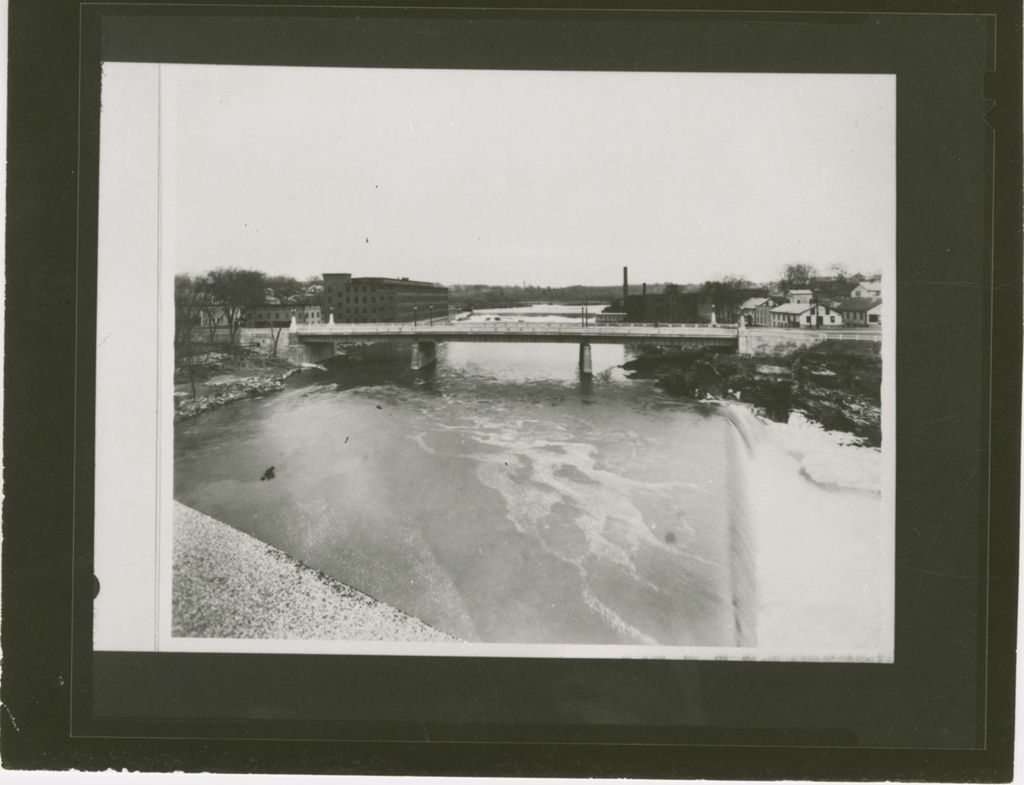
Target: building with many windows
column 276, row 314
column 382, row 299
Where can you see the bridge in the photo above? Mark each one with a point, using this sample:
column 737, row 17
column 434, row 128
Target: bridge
column 314, row 343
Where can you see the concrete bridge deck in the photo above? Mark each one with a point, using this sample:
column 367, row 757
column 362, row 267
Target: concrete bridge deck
column 317, row 342
column 518, row 332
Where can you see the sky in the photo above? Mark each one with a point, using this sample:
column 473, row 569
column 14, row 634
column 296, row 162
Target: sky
column 505, row 177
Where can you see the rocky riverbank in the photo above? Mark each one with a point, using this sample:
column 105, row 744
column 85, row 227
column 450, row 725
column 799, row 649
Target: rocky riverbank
column 834, row 383
column 220, row 377
column 229, row 585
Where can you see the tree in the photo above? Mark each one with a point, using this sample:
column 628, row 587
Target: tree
column 285, row 287
column 233, row 289
column 288, row 291
column 838, row 271
column 212, row 310
column 795, row 276
column 727, row 294
column 736, row 283
column 190, row 298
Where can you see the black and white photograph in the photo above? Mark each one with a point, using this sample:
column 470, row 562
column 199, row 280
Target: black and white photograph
column 511, row 363
column 544, row 391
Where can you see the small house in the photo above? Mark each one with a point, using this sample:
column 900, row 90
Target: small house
column 800, row 295
column 757, row 311
column 872, row 289
column 805, row 315
column 747, row 308
column 875, row 316
column 855, row 311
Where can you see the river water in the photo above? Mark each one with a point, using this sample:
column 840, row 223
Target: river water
column 500, row 497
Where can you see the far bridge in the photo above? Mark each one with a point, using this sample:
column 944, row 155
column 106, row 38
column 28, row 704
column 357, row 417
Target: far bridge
column 314, row 343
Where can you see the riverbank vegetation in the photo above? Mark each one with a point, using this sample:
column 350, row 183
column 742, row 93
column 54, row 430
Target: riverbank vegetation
column 209, row 375
column 836, row 384
column 209, row 372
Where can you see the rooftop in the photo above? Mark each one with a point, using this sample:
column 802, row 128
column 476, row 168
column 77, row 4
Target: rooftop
column 858, row 304
column 792, row 308
column 376, row 281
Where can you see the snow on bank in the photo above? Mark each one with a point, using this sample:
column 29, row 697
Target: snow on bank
column 230, row 585
column 829, row 458
column 832, row 459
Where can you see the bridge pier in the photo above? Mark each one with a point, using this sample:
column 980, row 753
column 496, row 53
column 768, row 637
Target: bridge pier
column 423, row 354
column 314, row 352
column 586, row 369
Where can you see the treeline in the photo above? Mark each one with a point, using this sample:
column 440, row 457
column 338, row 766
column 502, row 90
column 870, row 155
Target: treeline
column 835, row 281
column 220, row 297
column 473, row 296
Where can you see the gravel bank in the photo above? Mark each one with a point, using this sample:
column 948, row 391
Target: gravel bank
column 230, row 585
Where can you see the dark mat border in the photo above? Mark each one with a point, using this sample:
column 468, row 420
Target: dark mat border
column 943, row 711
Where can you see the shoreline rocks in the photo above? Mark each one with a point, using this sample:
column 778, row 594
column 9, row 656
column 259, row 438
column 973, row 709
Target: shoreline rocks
column 838, row 387
column 185, row 406
column 219, row 392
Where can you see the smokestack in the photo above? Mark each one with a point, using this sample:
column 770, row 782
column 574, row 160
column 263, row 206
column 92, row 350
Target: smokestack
column 625, row 285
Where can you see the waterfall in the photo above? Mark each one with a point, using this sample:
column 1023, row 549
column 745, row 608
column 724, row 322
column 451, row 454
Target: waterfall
column 749, row 434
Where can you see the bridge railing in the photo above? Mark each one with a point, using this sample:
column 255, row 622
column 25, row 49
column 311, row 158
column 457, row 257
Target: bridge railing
column 507, row 327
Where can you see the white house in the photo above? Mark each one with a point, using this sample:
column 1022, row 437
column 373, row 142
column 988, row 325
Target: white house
column 800, row 295
column 856, row 310
column 875, row 315
column 805, row 315
column 867, row 289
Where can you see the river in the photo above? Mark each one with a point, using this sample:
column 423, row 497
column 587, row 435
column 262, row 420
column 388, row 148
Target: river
column 501, row 498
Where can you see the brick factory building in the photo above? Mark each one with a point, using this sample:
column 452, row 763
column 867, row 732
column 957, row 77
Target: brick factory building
column 382, row 299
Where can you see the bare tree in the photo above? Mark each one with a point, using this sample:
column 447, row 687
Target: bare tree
column 210, row 307
column 284, row 287
column 795, row 276
column 838, row 271
column 233, row 289
column 288, row 291
column 727, row 294
column 190, row 297
column 190, row 300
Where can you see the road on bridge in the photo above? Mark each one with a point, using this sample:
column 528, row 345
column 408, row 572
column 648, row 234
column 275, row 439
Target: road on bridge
column 518, row 332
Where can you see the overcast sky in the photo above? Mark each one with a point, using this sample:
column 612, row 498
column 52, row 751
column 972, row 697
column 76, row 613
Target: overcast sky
column 552, row 178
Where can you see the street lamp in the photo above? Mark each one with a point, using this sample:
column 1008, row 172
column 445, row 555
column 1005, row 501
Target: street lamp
column 414, row 309
column 431, row 320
